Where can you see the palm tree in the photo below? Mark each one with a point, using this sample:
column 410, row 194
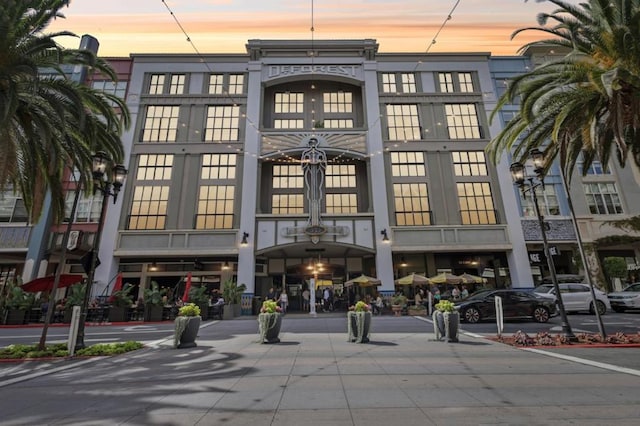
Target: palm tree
column 48, row 122
column 586, row 103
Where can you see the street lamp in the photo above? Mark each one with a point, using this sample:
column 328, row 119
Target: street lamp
column 103, row 170
column 529, row 184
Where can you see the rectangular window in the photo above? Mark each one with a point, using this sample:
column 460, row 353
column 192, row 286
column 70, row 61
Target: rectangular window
column 341, row 176
column 154, row 167
column 466, row 82
column 462, row 121
column 469, row 163
column 339, row 102
column 156, row 84
column 287, row 176
column 87, row 210
column 411, row 204
column 289, row 103
column 407, row 164
column 215, row 207
column 176, row 86
column 403, row 122
column 547, row 201
column 408, row 83
column 342, row 203
column 288, row 124
column 445, row 79
column 476, row 203
column 596, row 168
column 603, row 198
column 236, row 84
column 161, row 124
column 12, row 208
column 149, row 207
column 389, row 83
column 218, row 166
column 346, row 123
column 118, row 89
column 222, row 124
column 216, row 84
column 287, row 204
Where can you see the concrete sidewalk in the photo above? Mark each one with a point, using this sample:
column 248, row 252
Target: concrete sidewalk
column 319, row 379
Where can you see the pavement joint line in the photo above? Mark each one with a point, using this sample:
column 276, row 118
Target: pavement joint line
column 586, row 362
column 48, row 371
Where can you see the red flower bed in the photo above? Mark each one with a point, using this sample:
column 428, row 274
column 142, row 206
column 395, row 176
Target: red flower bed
column 522, row 339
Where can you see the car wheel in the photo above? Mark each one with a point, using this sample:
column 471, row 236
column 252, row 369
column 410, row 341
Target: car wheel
column 602, row 308
column 471, row 315
column 541, row 314
column 618, row 309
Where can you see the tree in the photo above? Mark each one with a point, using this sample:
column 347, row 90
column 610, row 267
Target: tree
column 48, row 122
column 586, row 103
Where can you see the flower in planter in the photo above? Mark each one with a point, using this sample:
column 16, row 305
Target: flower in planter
column 360, row 307
column 270, row 307
column 189, row 310
column 445, row 306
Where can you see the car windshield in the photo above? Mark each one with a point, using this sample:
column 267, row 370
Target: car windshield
column 542, row 289
column 633, row 287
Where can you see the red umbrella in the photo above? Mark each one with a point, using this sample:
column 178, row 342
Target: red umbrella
column 117, row 286
column 185, row 296
column 46, row 283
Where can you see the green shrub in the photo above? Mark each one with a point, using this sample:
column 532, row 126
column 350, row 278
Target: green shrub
column 189, row 310
column 60, row 350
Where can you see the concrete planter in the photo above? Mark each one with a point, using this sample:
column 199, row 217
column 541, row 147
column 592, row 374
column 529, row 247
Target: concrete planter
column 186, row 332
column 269, row 327
column 358, row 326
column 446, row 325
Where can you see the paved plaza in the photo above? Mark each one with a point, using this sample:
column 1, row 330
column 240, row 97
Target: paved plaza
column 318, row 378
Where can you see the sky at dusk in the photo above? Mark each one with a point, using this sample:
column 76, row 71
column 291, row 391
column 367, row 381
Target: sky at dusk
column 224, row 26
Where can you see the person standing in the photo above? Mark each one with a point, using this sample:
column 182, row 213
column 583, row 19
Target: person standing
column 271, row 295
column 305, row 299
column 284, row 301
column 326, row 295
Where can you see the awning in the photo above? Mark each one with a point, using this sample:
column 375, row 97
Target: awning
column 46, row 283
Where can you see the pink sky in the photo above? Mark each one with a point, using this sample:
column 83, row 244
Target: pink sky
column 224, row 26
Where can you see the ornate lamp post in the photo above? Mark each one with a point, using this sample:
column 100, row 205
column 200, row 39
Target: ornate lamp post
column 530, row 184
column 103, row 171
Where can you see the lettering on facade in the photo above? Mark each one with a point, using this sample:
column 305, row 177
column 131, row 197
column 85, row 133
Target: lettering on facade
column 284, row 70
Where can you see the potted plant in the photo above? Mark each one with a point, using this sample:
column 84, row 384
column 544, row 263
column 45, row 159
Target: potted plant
column 269, row 322
column 153, row 302
column 232, row 294
column 359, row 322
column 187, row 324
column 120, row 304
column 446, row 321
column 417, row 310
column 199, row 296
column 397, row 304
column 18, row 303
column 75, row 297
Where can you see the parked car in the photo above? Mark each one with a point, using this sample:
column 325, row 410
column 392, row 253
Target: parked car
column 576, row 297
column 629, row 298
column 516, row 304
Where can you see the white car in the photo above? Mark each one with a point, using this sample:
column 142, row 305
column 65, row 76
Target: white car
column 576, row 297
column 629, row 298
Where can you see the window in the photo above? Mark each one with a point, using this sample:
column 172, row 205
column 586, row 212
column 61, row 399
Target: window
column 236, row 84
column 596, row 168
column 288, row 183
column 341, row 176
column 476, row 203
column 215, row 207
column 87, row 210
column 161, row 124
column 177, row 84
column 342, row 203
column 340, row 182
column 216, row 84
column 388, row 83
column 340, row 102
column 149, row 207
column 346, row 123
column 118, row 89
column 286, row 103
column 466, row 82
column 218, row 166
column 403, row 123
column 407, row 164
column 451, row 82
column 12, row 208
column 408, row 83
column 469, row 163
column 156, row 84
column 602, row 198
column 446, row 82
column 223, row 123
column 154, row 167
column 288, row 124
column 411, row 204
column 462, row 121
column 547, row 202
